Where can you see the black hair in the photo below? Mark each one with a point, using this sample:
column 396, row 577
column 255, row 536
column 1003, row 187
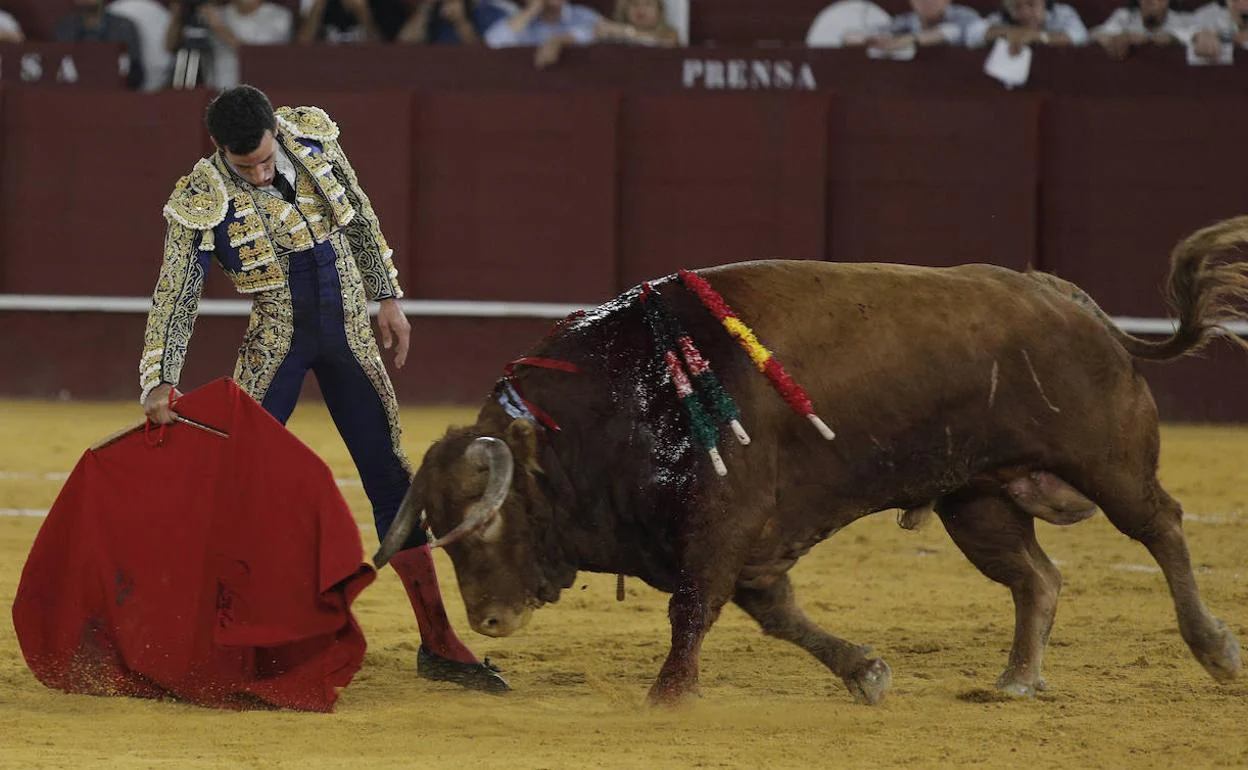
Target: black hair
column 238, row 118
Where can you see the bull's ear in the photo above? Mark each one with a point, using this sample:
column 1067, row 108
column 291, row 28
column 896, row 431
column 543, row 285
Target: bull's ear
column 522, row 438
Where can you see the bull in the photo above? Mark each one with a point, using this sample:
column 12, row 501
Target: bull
column 989, row 396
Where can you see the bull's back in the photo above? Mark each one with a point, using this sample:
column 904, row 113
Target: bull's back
column 914, row 365
column 881, row 315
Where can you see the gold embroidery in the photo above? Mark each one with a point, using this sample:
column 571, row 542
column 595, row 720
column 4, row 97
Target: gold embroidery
column 258, row 279
column 308, row 122
column 321, row 172
column 290, row 230
column 199, row 200
column 175, row 301
column 373, row 255
column 249, row 230
column 255, row 254
column 363, row 344
column 267, row 340
column 314, row 208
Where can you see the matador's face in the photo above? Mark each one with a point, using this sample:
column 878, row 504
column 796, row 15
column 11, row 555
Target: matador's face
column 259, row 165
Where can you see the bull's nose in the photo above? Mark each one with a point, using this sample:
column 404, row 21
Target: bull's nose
column 498, row 621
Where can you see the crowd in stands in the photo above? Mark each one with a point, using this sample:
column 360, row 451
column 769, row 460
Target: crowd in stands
column 160, row 34
column 1205, row 29
column 156, row 33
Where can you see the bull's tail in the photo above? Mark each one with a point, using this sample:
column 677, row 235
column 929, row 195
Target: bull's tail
column 1204, row 296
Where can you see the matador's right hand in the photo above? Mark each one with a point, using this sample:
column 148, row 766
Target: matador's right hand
column 157, row 406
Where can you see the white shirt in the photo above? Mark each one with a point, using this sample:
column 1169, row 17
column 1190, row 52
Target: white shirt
column 1128, row 20
column 1061, row 18
column 1216, row 17
column 151, row 19
column 270, row 24
column 9, row 24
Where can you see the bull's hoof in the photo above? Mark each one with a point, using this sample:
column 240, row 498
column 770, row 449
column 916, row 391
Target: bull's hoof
column 670, row 695
column 870, row 683
column 1222, row 659
column 1020, row 690
column 1015, row 686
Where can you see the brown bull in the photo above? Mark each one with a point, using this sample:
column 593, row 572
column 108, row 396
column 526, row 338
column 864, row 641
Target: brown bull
column 991, row 396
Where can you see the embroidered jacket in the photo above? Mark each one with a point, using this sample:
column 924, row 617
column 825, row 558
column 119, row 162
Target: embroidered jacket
column 214, row 213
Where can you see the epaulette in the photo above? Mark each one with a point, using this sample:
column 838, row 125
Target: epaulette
column 308, row 123
column 199, row 200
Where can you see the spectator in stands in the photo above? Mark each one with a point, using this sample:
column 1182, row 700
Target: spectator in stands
column 351, row 21
column 91, row 23
column 639, row 22
column 1218, row 23
column 1141, row 22
column 238, row 23
column 151, row 18
column 1024, row 22
column 10, row 30
column 454, row 22
column 930, row 22
column 548, row 24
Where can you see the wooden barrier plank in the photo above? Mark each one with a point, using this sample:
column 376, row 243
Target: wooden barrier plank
column 710, row 179
column 67, row 65
column 934, row 181
column 515, row 197
column 86, row 175
column 1124, row 180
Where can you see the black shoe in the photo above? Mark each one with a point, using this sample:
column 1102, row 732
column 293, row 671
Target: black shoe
column 475, row 676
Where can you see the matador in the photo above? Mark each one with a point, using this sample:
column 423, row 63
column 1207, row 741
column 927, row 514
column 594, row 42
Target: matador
column 280, row 208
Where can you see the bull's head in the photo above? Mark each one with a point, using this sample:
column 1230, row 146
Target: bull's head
column 464, row 489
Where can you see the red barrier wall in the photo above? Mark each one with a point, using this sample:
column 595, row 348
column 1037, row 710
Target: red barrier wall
column 498, row 185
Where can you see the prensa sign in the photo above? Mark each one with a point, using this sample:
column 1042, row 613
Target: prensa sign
column 747, row 75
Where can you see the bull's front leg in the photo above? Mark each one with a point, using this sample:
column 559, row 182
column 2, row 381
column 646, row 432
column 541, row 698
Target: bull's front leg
column 691, row 616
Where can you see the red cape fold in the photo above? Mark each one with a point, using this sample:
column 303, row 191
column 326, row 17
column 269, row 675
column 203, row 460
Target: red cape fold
column 217, row 571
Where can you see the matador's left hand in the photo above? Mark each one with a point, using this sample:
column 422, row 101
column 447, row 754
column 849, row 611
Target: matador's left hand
column 394, row 327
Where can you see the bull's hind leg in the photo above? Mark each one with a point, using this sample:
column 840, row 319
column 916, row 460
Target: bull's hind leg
column 1000, row 540
column 775, row 610
column 1154, row 518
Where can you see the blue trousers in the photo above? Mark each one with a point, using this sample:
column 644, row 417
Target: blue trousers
column 319, row 344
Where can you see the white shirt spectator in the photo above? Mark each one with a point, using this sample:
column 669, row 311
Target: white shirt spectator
column 1059, row 19
column 269, row 24
column 151, row 19
column 10, row 30
column 954, row 26
column 1217, row 17
column 1130, row 21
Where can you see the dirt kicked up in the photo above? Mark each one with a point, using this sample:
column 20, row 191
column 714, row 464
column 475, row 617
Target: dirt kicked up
column 1123, row 689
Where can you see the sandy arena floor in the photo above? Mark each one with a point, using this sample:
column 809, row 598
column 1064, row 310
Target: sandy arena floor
column 1124, row 691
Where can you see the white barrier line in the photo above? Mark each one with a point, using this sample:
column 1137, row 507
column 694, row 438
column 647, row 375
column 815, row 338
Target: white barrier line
column 427, row 307
column 62, row 476
column 240, row 307
column 31, row 476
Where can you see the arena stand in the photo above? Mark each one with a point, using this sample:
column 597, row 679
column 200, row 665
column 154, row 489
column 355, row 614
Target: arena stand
column 536, row 192
column 712, row 22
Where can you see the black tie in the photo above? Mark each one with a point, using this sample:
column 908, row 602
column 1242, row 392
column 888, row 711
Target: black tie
column 283, row 187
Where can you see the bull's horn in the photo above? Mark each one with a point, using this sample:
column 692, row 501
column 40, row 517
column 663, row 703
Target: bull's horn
column 498, row 460
column 400, row 529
